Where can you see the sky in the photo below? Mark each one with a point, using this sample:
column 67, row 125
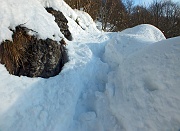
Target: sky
column 147, row 2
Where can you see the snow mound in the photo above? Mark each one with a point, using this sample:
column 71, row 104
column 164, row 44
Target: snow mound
column 143, row 90
column 129, row 41
column 145, row 32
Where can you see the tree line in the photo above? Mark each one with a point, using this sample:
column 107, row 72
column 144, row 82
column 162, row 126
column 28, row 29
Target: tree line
column 117, row 15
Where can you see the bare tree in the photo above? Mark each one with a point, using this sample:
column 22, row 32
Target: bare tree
column 157, row 12
column 112, row 14
column 117, row 15
column 171, row 13
column 129, row 6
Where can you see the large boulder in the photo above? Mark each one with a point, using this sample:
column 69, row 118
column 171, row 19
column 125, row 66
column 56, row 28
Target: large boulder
column 28, row 56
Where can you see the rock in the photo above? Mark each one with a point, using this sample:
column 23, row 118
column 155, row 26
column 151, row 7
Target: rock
column 61, row 22
column 28, row 56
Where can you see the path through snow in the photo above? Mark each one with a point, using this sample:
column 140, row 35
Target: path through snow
column 113, row 82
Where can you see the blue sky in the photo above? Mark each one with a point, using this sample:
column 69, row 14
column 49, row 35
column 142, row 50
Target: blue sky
column 146, row 2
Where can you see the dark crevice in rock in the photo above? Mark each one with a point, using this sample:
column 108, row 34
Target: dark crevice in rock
column 61, row 22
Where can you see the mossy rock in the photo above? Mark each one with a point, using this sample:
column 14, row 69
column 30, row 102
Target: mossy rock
column 28, row 56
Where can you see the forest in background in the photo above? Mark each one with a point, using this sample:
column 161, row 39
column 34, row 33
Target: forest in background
column 117, row 15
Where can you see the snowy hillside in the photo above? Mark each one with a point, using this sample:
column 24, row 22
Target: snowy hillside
column 124, row 81
column 32, row 14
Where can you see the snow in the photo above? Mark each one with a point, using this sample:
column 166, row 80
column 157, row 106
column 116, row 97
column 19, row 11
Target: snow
column 35, row 18
column 129, row 41
column 32, row 14
column 85, row 21
column 117, row 81
column 143, row 88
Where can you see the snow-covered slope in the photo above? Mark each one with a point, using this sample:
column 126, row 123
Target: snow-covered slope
column 143, row 89
column 33, row 15
column 127, row 81
column 28, row 13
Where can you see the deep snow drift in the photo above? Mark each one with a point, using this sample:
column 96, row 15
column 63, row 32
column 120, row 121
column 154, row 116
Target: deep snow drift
column 127, row 81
